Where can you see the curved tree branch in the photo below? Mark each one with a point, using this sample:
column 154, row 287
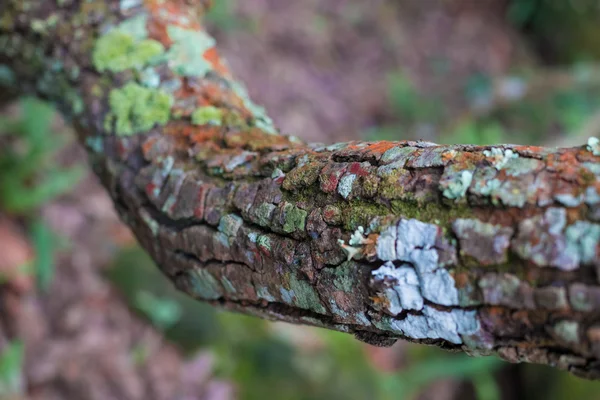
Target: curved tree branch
column 480, row 249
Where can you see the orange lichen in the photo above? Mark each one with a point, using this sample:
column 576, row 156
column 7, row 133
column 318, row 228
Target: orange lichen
column 186, row 134
column 212, row 56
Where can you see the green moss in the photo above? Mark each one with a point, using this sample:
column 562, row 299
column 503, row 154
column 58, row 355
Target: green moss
column 137, row 109
column 118, row 51
column 360, row 213
column 207, row 115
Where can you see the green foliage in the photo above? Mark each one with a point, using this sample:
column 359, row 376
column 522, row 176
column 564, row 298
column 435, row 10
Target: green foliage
column 221, row 14
column 408, row 104
column 520, row 12
column 44, row 244
column 436, row 366
column 563, row 31
column 11, row 367
column 163, row 312
column 29, row 176
column 471, row 132
column 133, row 272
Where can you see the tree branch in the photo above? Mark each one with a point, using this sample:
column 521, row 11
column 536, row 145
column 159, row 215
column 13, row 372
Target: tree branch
column 480, row 249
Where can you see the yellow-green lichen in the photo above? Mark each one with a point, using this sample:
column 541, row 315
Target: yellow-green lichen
column 295, row 218
column 208, row 115
column 118, row 51
column 135, row 108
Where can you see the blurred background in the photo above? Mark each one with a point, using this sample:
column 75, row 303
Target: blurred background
column 84, row 314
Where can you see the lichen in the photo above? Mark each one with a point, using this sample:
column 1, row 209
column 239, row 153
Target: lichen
column 230, row 224
column 357, row 238
column 457, row 188
column 582, row 241
column 118, row 51
column 593, row 145
column 261, row 119
column 500, row 156
column 303, row 295
column 568, row 331
column 150, row 78
column 294, row 218
column 345, row 185
column 135, row 108
column 401, row 287
column 413, row 241
column 204, row 285
column 186, row 54
column 435, row 324
column 351, row 251
column 207, row 115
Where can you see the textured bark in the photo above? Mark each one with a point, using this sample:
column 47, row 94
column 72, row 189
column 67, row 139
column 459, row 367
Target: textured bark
column 480, row 249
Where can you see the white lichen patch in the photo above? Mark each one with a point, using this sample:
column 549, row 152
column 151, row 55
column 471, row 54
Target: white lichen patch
column 545, row 241
column 593, row 145
column 457, row 188
column 500, row 156
column 592, row 196
column 413, row 241
column 582, row 241
column 400, row 287
column 435, row 324
column 358, row 237
column 345, row 185
column 569, row 199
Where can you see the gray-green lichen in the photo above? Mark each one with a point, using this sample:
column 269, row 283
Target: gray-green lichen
column 500, row 157
column 261, row 119
column 457, row 187
column 567, row 331
column 294, row 218
column 345, row 185
column 204, row 285
column 186, row 54
column 303, row 295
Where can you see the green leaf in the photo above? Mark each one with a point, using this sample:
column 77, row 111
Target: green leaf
column 19, row 198
column 11, row 366
column 36, row 119
column 163, row 312
column 486, row 386
column 44, row 246
column 432, row 369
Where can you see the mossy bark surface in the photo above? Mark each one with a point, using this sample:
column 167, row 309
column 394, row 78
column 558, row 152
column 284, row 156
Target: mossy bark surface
column 480, row 249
